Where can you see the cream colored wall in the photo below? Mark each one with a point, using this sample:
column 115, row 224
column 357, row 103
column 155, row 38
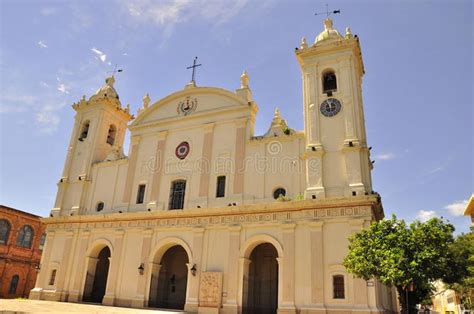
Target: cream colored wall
column 269, row 162
column 298, row 273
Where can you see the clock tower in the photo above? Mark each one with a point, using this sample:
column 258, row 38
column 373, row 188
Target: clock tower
column 337, row 157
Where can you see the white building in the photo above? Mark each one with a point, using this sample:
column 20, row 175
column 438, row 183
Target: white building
column 206, row 216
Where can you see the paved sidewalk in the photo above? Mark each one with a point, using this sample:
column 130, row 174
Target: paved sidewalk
column 34, row 306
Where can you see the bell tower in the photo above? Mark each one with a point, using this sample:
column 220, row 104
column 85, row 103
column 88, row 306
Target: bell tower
column 337, row 156
column 99, row 131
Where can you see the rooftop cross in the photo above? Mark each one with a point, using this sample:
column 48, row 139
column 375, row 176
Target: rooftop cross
column 194, row 66
column 115, row 70
column 328, row 13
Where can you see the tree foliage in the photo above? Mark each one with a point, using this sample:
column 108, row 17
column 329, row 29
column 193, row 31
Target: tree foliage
column 407, row 257
column 461, row 273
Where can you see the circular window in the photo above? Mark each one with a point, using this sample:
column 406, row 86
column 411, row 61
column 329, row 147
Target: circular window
column 279, row 192
column 100, row 206
column 182, row 150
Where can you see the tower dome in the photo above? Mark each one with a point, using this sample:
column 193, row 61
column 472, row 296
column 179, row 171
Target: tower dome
column 327, row 33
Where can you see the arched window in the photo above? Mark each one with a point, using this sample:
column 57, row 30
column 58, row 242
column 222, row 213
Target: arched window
column 111, row 134
column 100, row 206
column 42, row 241
column 13, row 284
column 338, row 286
column 279, row 192
column 329, row 82
column 84, row 130
column 178, row 189
column 4, row 231
column 25, row 237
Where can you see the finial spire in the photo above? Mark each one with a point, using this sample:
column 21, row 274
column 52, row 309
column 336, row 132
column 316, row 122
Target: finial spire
column 146, row 101
column 244, row 80
column 303, row 44
column 277, row 116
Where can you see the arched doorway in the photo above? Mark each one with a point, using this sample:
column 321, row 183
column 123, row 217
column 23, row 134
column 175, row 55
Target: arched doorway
column 261, row 295
column 96, row 279
column 168, row 285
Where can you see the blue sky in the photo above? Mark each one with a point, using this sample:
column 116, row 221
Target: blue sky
column 418, row 87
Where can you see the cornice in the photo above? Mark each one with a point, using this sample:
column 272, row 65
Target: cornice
column 282, row 212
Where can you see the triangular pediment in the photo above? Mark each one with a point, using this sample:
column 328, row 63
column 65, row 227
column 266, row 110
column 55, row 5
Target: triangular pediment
column 189, row 102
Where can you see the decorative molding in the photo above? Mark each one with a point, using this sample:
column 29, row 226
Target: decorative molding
column 234, row 221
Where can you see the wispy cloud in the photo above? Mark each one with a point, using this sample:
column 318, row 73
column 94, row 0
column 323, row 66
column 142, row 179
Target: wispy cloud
column 456, row 208
column 99, row 54
column 42, row 44
column 425, row 215
column 47, row 11
column 167, row 14
column 15, row 102
column 385, row 156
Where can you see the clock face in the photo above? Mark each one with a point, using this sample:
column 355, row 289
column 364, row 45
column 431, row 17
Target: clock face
column 330, row 107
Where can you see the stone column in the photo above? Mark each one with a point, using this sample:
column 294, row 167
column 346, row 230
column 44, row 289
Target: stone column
column 139, row 299
column 231, row 305
column 317, row 263
column 192, row 291
column 41, row 279
column 287, row 304
column 109, row 297
column 79, row 267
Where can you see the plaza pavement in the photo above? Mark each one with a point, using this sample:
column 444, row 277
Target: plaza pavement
column 14, row 306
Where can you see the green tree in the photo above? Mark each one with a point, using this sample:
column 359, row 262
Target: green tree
column 461, row 273
column 407, row 257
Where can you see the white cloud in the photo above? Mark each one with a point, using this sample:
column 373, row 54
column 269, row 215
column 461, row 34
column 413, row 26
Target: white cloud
column 385, row 156
column 425, row 215
column 42, row 44
column 102, row 56
column 457, row 208
column 63, row 89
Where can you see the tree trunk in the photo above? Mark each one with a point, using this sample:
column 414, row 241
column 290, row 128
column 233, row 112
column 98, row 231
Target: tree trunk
column 405, row 297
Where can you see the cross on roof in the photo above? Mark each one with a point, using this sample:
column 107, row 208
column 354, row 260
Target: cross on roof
column 194, row 66
column 328, row 13
column 115, row 70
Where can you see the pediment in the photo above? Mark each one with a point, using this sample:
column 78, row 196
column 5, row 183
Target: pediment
column 189, row 102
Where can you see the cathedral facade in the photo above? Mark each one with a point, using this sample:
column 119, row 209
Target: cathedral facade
column 204, row 215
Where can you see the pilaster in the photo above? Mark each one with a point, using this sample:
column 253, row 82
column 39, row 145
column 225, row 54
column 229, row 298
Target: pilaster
column 286, row 270
column 115, row 261
column 231, row 305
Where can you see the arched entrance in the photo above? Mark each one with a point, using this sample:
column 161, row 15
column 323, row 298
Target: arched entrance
column 96, row 278
column 169, row 281
column 261, row 290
